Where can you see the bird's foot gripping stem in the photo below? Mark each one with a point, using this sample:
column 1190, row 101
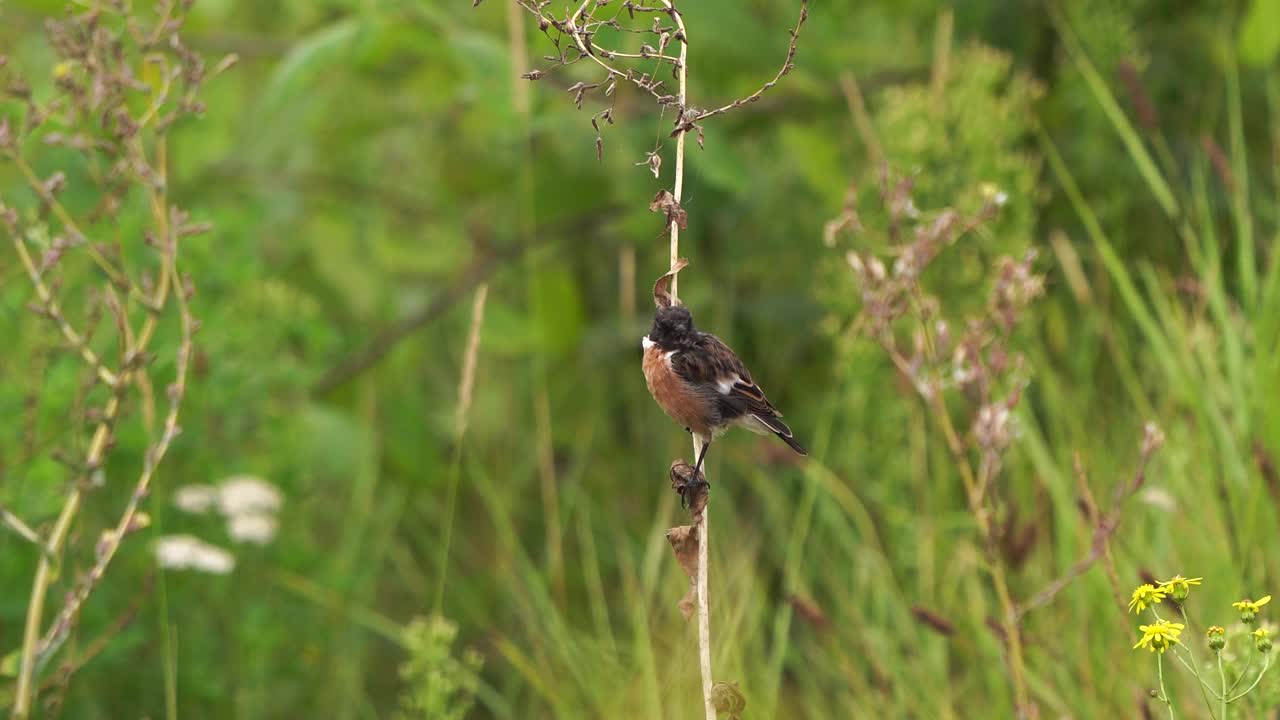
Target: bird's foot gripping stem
column 692, row 486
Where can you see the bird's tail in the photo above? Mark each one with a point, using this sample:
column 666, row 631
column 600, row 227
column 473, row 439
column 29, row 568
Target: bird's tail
column 780, row 429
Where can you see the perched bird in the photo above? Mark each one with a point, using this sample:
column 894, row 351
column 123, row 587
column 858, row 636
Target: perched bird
column 700, row 382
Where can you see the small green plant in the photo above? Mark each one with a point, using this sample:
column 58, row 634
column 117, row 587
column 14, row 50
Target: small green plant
column 1165, row 636
column 438, row 685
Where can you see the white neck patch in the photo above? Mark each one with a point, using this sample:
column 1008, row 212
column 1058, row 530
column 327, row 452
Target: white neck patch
column 646, row 343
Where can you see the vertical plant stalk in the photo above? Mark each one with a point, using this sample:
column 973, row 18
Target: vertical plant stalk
column 678, row 190
column 1164, row 693
column 1222, row 677
column 704, row 607
column 704, row 535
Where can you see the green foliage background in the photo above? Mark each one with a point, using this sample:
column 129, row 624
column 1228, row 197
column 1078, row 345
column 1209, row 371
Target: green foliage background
column 365, row 158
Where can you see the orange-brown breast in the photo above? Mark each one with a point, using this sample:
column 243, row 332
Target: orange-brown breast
column 673, row 394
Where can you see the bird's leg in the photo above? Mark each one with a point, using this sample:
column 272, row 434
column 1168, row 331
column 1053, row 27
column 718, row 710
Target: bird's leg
column 696, row 479
column 697, row 467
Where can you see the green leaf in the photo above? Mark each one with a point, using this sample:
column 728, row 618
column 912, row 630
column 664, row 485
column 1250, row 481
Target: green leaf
column 1260, row 32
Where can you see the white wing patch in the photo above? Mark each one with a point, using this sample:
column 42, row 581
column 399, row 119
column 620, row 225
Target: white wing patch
column 754, row 424
column 725, row 385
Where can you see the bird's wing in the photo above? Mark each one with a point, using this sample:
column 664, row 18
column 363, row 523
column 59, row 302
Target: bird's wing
column 713, row 368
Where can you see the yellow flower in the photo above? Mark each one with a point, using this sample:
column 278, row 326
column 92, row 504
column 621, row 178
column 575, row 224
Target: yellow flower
column 1159, row 635
column 1145, row 595
column 1262, row 639
column 1179, row 587
column 1249, row 609
column 1247, row 604
column 1217, row 637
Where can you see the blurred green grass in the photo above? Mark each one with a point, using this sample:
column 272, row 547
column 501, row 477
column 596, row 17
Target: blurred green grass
column 365, row 156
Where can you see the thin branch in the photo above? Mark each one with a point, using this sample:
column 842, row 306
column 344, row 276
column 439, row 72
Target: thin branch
column 1266, row 663
column 636, row 56
column 68, row 223
column 787, row 66
column 127, row 524
column 102, row 641
column 49, row 307
column 15, row 523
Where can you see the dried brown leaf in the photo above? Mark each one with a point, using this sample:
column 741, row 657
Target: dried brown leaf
column 662, row 298
column 666, row 203
column 692, row 488
column 728, row 698
column 654, row 161
column 684, row 543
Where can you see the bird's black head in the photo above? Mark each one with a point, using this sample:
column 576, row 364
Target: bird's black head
column 672, row 327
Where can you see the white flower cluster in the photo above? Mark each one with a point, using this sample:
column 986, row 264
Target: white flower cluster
column 248, row 503
column 187, row 552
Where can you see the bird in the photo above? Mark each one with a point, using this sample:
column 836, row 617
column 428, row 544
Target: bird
column 700, row 382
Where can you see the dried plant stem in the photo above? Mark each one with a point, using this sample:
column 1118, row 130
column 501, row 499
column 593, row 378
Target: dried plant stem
column 704, row 606
column 704, row 535
column 678, row 191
